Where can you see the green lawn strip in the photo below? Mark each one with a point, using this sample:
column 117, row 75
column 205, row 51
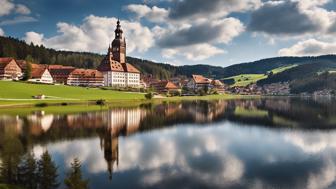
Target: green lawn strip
column 20, row 90
column 246, row 79
column 281, row 69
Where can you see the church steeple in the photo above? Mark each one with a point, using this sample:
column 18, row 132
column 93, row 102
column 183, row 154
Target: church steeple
column 119, row 45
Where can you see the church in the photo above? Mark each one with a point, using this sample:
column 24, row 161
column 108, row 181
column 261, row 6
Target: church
column 116, row 72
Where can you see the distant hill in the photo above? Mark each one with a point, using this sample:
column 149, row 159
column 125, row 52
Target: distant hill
column 11, row 47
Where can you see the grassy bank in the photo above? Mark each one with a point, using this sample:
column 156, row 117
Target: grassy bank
column 20, row 94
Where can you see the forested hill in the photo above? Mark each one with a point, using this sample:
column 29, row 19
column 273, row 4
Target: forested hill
column 11, row 47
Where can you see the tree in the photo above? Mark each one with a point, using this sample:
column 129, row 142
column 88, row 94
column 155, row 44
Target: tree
column 10, row 157
column 28, row 72
column 74, row 179
column 47, row 172
column 28, row 172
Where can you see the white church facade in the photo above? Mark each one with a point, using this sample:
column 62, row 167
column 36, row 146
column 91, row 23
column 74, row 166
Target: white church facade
column 116, row 72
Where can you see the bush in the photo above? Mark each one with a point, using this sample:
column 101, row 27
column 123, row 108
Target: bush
column 41, row 104
column 100, row 102
column 149, row 96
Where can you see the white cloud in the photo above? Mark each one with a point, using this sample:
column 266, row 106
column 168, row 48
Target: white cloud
column 6, row 7
column 294, row 18
column 2, row 33
column 310, row 47
column 22, row 9
column 96, row 33
column 154, row 14
column 17, row 20
column 194, row 52
column 33, row 37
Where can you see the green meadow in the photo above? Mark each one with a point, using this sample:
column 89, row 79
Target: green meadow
column 20, row 92
column 246, row 79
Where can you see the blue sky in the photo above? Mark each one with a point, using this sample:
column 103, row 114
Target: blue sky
column 179, row 32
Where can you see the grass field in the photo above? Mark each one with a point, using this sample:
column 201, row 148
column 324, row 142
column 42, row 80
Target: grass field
column 246, row 79
column 25, row 91
column 19, row 94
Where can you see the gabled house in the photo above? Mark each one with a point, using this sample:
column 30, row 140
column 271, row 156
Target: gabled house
column 9, row 69
column 165, row 87
column 60, row 73
column 218, row 86
column 40, row 74
column 199, row 82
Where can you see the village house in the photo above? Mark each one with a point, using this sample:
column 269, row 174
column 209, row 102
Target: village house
column 199, row 82
column 165, row 87
column 116, row 72
column 9, row 69
column 86, row 77
column 218, row 86
column 39, row 72
column 60, row 73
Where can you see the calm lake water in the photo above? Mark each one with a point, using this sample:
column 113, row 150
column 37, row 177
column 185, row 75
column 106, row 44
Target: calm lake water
column 264, row 143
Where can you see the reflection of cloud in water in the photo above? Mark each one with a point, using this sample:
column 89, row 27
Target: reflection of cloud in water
column 312, row 142
column 224, row 156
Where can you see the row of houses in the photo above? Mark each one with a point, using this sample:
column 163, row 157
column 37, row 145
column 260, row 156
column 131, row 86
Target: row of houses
column 191, row 86
column 11, row 69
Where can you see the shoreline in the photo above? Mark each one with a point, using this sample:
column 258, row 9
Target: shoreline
column 13, row 104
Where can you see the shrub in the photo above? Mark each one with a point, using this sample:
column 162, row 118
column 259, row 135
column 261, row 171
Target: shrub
column 149, row 96
column 100, row 102
column 43, row 104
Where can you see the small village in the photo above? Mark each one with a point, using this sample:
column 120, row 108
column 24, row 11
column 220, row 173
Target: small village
column 115, row 73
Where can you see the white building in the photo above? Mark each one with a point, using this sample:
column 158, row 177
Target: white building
column 40, row 74
column 116, row 72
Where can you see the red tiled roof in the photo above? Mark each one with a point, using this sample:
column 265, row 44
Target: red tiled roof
column 86, row 73
column 5, row 61
column 112, row 65
column 165, row 84
column 38, row 70
column 130, row 68
column 217, row 83
column 199, row 79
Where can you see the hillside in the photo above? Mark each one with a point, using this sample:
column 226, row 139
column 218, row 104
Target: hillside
column 11, row 47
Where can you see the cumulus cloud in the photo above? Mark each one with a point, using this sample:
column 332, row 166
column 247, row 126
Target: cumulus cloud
column 6, row 7
column 95, row 34
column 292, row 17
column 22, row 9
column 194, row 52
column 310, row 47
column 196, row 9
column 154, row 14
column 221, row 31
column 33, row 37
column 2, row 33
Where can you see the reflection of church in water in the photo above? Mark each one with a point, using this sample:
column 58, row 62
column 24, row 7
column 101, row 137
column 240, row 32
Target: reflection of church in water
column 118, row 122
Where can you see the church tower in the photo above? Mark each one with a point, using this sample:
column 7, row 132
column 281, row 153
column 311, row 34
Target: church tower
column 118, row 45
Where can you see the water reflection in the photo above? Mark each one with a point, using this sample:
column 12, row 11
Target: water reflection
column 262, row 143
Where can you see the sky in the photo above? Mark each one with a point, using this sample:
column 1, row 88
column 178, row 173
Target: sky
column 178, row 32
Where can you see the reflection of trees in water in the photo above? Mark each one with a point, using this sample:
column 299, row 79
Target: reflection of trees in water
column 21, row 133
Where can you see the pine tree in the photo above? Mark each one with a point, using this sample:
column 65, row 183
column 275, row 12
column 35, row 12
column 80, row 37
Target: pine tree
column 74, row 179
column 10, row 157
column 47, row 172
column 28, row 172
column 28, row 72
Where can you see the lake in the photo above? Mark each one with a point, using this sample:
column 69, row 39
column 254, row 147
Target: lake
column 251, row 143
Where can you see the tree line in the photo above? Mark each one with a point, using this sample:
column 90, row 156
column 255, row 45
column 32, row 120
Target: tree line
column 28, row 172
